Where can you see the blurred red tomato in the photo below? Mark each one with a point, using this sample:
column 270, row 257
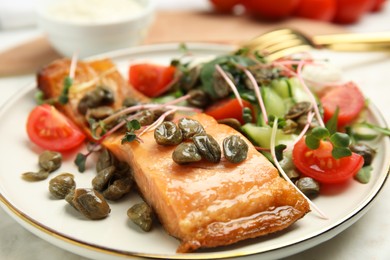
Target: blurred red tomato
column 376, row 5
column 271, row 9
column 350, row 11
column 323, row 10
column 224, row 6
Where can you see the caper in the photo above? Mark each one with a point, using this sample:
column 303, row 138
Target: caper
column 235, row 149
column 90, row 203
column 302, row 121
column 99, row 112
column 118, row 188
column 262, row 75
column 50, row 161
column 123, row 170
column 208, row 147
column 186, row 153
column 220, row 86
column 168, row 133
column 190, row 127
column 198, row 98
column 101, row 180
column 189, row 80
column 105, row 159
column 100, row 96
column 290, row 126
column 298, row 109
column 288, row 166
column 141, row 214
column 61, row 185
column 365, row 151
column 308, row 186
column 35, row 176
column 159, row 112
column 232, row 122
column 145, row 117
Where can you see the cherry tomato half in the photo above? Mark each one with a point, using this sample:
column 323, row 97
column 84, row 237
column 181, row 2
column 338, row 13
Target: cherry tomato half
column 348, row 98
column 50, row 129
column 228, row 108
column 321, row 166
column 323, row 10
column 271, row 9
column 151, row 80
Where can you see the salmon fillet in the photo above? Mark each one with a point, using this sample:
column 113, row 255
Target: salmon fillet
column 202, row 204
column 206, row 204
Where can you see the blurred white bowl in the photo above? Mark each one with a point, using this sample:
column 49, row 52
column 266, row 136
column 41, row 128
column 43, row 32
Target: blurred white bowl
column 87, row 35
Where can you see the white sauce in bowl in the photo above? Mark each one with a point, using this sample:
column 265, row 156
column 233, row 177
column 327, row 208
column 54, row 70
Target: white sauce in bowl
column 93, row 11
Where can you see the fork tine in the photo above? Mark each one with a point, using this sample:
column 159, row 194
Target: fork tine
column 289, row 51
column 278, row 43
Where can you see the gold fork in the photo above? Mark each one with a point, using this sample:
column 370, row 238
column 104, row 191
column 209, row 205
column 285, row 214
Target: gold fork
column 278, row 43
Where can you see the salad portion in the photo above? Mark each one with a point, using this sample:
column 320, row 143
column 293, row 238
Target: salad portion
column 321, row 131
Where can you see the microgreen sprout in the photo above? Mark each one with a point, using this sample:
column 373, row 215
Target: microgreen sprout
column 282, row 172
column 340, row 141
column 258, row 95
column 130, row 135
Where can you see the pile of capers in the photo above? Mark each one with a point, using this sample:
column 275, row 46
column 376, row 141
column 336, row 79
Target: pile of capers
column 194, row 144
column 114, row 178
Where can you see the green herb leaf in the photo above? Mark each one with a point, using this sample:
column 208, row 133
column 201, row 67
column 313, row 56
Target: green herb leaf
column 247, row 115
column 364, row 174
column 80, row 161
column 331, row 125
column 63, row 98
column 320, row 132
column 340, row 140
column 313, row 139
column 129, row 137
column 312, row 142
column 133, row 125
column 339, row 152
column 279, row 151
column 39, row 97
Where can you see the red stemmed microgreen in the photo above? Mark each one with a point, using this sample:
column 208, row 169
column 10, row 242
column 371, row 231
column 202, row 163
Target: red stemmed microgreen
column 230, row 83
column 258, row 95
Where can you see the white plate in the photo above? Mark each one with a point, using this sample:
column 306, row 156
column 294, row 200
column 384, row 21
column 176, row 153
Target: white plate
column 115, row 237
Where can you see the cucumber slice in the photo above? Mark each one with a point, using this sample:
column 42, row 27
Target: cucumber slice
column 273, row 103
column 299, row 94
column 282, row 87
column 261, row 135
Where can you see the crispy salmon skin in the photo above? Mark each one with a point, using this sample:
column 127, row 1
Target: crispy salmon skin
column 206, row 204
column 202, row 204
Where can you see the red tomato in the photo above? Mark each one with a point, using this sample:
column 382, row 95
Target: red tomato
column 323, row 10
column 321, row 166
column 224, row 6
column 350, row 11
column 150, row 79
column 348, row 98
column 49, row 129
column 271, row 9
column 228, row 108
column 376, row 5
